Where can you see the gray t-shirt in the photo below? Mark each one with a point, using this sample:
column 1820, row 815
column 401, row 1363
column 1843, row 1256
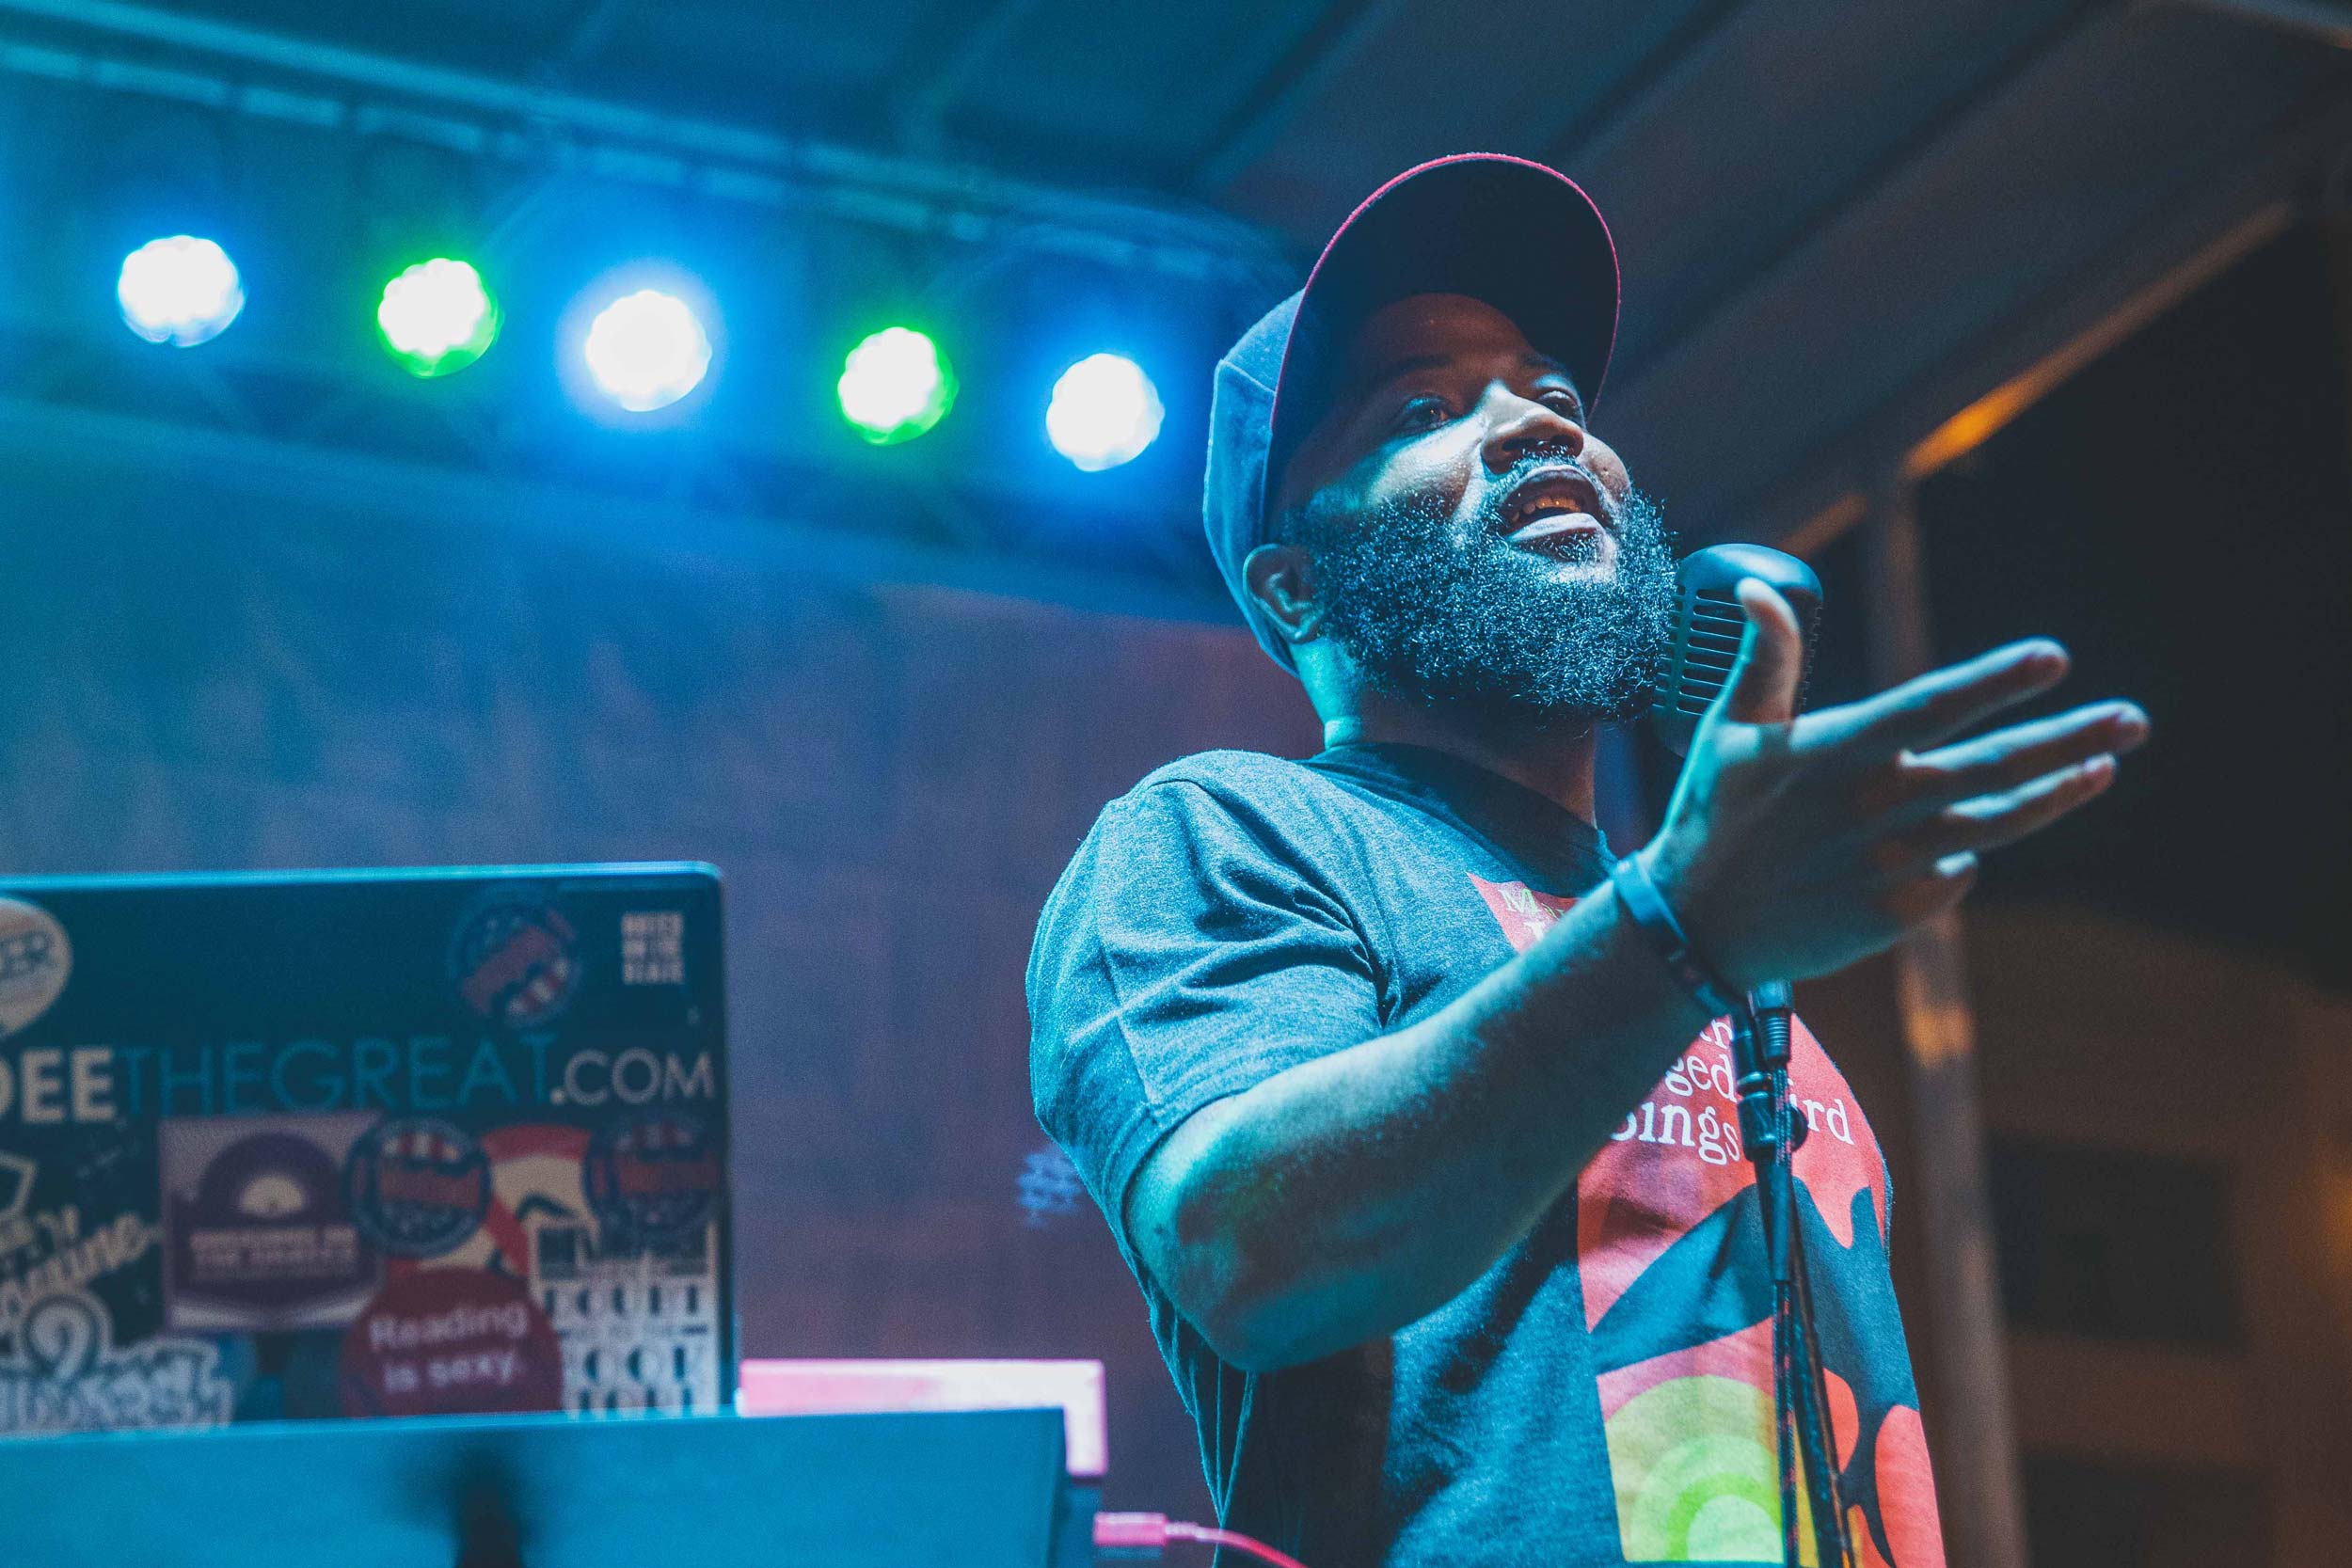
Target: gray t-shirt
column 1601, row 1395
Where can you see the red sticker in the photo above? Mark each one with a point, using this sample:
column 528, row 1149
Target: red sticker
column 450, row 1341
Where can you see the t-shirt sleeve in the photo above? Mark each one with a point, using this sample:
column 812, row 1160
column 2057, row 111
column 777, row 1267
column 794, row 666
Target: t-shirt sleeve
column 1188, row 953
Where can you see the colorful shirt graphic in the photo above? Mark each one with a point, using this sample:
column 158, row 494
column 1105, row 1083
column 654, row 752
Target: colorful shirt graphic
column 1601, row 1395
column 1670, row 1250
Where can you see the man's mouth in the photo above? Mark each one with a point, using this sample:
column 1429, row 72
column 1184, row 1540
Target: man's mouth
column 1558, row 509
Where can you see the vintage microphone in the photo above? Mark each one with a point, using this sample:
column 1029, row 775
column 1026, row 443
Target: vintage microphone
column 1708, row 625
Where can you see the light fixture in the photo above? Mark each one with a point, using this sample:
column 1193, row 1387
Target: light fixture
column 646, row 350
column 181, row 289
column 894, row 386
column 1104, row 411
column 436, row 317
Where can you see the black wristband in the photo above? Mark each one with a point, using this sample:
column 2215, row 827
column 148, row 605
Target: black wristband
column 1646, row 908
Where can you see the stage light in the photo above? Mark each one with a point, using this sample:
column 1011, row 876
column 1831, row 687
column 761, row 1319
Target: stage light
column 1103, row 413
column 183, row 291
column 894, row 386
column 436, row 317
column 646, row 350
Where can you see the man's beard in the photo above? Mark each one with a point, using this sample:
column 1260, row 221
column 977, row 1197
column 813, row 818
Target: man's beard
column 1452, row 617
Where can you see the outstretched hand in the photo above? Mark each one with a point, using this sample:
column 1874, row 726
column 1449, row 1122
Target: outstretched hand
column 1795, row 846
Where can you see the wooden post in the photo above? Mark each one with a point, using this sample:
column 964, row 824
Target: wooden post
column 1979, row 1490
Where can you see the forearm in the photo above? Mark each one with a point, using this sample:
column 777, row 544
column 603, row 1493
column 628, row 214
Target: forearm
column 1343, row 1198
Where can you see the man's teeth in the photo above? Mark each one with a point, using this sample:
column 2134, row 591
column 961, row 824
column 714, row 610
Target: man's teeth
column 1543, row 506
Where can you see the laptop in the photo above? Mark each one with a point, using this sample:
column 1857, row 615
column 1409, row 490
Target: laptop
column 388, row 1142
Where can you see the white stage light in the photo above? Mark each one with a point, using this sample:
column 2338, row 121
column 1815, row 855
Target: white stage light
column 1103, row 413
column 646, row 350
column 436, row 317
column 181, row 289
column 894, row 386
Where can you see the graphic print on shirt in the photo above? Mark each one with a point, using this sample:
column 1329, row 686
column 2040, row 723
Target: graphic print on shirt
column 1670, row 1250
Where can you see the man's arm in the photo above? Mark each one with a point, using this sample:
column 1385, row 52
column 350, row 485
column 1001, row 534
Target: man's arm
column 1343, row 1198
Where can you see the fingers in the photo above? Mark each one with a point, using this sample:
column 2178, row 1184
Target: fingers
column 1762, row 689
column 1917, row 894
column 2017, row 755
column 1990, row 821
column 1939, row 705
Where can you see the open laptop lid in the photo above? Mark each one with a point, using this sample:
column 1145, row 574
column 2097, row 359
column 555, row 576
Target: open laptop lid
column 345, row 1143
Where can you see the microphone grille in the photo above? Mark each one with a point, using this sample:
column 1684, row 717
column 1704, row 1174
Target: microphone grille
column 1709, row 625
column 1704, row 654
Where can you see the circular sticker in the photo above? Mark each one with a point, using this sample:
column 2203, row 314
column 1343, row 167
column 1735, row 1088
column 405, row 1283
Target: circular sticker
column 450, row 1341
column 35, row 959
column 515, row 959
column 653, row 1175
column 259, row 1231
column 416, row 1185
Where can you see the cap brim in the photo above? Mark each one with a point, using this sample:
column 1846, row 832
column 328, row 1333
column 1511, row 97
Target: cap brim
column 1523, row 238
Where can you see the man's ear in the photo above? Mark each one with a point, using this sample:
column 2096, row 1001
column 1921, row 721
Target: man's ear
column 1281, row 580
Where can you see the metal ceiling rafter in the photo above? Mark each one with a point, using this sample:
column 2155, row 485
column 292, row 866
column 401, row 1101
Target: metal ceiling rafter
column 486, row 115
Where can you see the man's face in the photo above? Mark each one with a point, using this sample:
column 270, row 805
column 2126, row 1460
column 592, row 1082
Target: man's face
column 1473, row 546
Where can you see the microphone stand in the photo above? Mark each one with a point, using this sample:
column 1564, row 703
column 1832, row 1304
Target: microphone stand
column 1708, row 632
column 1762, row 1034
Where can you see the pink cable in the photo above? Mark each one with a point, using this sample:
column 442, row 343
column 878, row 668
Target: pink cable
column 1179, row 1530
column 1153, row 1531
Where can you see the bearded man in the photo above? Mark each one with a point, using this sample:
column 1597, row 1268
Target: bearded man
column 1424, row 1152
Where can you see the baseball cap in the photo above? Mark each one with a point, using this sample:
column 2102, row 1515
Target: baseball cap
column 1524, row 238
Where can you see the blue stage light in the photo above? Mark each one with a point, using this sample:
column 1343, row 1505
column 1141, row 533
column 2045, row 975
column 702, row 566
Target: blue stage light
column 1104, row 411
column 646, row 350
column 183, row 291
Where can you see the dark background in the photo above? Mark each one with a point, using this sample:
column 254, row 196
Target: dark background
column 2176, row 516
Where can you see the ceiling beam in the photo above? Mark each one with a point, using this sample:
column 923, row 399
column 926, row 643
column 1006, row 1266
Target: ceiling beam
column 2313, row 19
column 2029, row 190
column 587, row 35
column 2039, row 346
column 480, row 112
column 1984, row 419
column 1585, row 124
column 1303, row 71
column 1905, row 154
column 1996, row 409
column 921, row 116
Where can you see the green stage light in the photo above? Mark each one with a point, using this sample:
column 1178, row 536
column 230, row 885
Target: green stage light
column 436, row 317
column 894, row 386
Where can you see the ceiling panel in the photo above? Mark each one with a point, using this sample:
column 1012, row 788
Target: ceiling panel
column 2015, row 201
column 1157, row 80
column 834, row 71
column 1442, row 79
column 1762, row 132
